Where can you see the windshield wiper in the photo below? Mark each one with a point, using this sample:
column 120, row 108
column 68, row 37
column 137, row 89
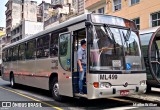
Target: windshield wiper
column 112, row 35
column 127, row 36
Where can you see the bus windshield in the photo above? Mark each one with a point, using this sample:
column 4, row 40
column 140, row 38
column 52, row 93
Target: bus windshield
column 120, row 51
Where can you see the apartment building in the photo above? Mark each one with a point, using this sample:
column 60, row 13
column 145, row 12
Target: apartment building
column 145, row 13
column 13, row 14
column 79, row 6
column 19, row 13
column 44, row 11
column 61, row 8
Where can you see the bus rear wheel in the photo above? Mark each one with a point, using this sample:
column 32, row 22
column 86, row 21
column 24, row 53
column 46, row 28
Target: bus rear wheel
column 12, row 81
column 55, row 90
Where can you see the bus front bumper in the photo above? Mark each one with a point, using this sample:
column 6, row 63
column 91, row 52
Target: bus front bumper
column 116, row 91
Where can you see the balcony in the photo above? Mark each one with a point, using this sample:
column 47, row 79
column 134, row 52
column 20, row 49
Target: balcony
column 89, row 4
column 8, row 10
column 9, row 18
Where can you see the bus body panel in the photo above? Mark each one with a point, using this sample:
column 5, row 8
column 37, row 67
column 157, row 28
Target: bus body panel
column 7, row 70
column 133, row 81
column 36, row 73
column 43, row 71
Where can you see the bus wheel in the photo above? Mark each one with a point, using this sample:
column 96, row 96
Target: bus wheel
column 55, row 90
column 12, row 81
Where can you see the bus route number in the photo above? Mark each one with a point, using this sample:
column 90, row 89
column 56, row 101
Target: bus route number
column 107, row 77
column 112, row 76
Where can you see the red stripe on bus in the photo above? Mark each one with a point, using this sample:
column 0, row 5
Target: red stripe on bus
column 67, row 76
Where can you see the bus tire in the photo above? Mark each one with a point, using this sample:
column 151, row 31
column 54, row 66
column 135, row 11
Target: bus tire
column 55, row 90
column 12, row 81
column 148, row 89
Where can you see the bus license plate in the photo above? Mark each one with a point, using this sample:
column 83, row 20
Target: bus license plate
column 124, row 92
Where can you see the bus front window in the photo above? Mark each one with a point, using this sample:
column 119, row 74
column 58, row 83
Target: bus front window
column 105, row 50
column 114, row 52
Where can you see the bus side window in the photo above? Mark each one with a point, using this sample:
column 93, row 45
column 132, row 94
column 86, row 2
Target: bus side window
column 31, row 49
column 9, row 54
column 54, row 45
column 15, row 53
column 43, row 47
column 4, row 55
column 21, row 52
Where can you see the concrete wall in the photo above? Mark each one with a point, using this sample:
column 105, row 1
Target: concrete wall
column 30, row 11
column 30, row 28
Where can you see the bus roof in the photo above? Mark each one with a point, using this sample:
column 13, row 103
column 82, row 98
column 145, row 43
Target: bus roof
column 149, row 30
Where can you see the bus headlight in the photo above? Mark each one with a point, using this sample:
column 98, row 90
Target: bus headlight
column 142, row 83
column 105, row 85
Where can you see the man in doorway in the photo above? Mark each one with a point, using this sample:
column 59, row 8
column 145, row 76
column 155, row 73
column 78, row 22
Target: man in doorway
column 82, row 60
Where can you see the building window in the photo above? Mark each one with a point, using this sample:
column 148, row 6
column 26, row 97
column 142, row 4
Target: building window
column 137, row 22
column 101, row 10
column 155, row 19
column 134, row 2
column 117, row 5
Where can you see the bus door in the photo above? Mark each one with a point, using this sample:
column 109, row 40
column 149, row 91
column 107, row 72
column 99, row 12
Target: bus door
column 78, row 35
column 64, row 65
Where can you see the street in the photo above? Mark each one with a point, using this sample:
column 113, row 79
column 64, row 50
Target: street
column 25, row 94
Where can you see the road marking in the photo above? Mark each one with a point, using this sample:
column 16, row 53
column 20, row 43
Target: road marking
column 121, row 108
column 31, row 98
column 122, row 100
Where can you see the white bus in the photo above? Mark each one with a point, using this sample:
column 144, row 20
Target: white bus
column 48, row 60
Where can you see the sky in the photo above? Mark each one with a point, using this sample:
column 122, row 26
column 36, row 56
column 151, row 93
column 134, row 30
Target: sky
column 3, row 9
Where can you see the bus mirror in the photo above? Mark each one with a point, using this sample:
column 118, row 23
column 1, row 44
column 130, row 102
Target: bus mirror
column 88, row 23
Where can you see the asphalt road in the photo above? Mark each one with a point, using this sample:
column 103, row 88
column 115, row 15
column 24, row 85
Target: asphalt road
column 28, row 96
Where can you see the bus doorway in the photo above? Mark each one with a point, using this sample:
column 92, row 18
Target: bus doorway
column 78, row 35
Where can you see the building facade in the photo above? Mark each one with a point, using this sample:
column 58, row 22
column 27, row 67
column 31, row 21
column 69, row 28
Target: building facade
column 79, row 6
column 17, row 11
column 2, row 34
column 145, row 13
column 13, row 15
column 44, row 11
column 26, row 29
